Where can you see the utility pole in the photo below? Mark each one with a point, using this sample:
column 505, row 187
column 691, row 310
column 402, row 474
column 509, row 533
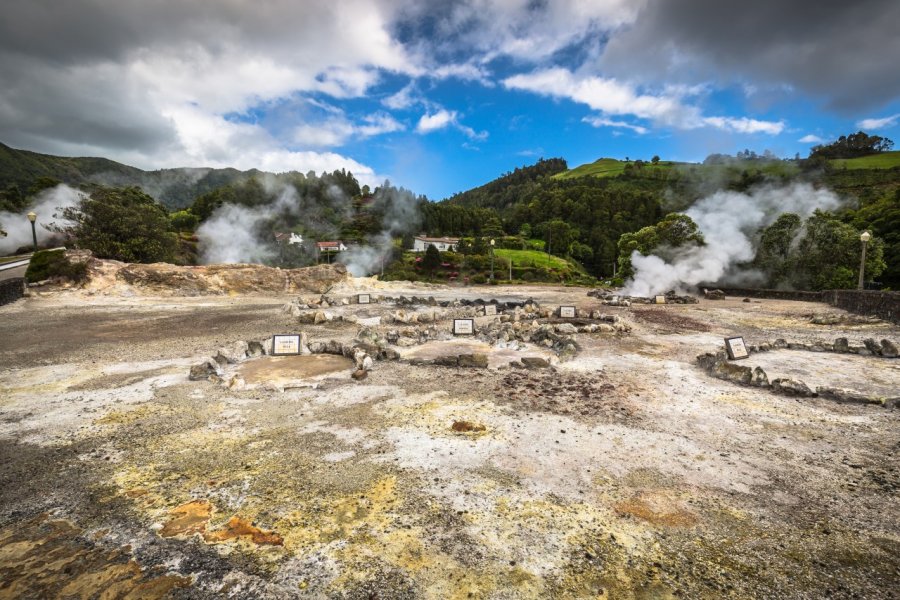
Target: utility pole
column 864, row 238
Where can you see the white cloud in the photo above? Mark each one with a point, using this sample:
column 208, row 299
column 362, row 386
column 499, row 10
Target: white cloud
column 745, row 125
column 810, row 139
column 403, row 99
column 439, row 120
column 612, row 97
column 882, row 123
column 337, row 130
column 604, row 122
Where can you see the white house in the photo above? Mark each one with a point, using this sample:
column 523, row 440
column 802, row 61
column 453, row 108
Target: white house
column 331, row 246
column 421, row 243
column 292, row 238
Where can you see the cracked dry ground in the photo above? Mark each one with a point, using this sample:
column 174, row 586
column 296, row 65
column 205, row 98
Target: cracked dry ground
column 626, row 473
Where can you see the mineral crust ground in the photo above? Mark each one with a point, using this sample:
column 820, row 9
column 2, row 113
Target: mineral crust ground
column 625, row 472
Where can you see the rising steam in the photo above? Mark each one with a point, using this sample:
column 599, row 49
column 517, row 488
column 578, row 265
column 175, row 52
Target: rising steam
column 729, row 222
column 47, row 204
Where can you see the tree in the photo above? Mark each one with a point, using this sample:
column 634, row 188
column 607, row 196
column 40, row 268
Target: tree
column 122, row 224
column 184, row 220
column 432, row 260
column 525, row 231
column 773, row 256
column 828, row 255
column 655, row 159
column 674, row 231
column 853, row 145
column 558, row 235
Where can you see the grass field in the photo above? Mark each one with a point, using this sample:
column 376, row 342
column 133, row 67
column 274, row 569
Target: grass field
column 527, row 258
column 884, row 160
column 608, row 167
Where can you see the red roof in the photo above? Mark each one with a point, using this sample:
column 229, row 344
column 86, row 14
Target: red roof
column 329, row 244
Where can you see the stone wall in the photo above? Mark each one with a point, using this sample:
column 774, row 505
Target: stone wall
column 884, row 305
column 11, row 290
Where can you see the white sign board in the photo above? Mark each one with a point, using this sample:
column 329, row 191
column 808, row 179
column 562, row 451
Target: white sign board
column 660, row 299
column 285, row 344
column 736, row 348
column 567, row 312
column 490, row 309
column 463, row 326
column 363, row 299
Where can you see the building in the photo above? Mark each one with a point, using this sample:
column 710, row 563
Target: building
column 421, row 243
column 289, row 238
column 333, row 246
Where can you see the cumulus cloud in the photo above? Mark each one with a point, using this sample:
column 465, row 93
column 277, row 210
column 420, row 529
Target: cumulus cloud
column 444, row 118
column 882, row 123
column 612, row 97
column 811, row 139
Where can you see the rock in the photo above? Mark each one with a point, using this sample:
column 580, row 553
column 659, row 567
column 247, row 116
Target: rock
column 534, row 362
column 447, row 361
column 255, row 349
column 232, row 354
column 779, row 344
column 847, row 396
column 476, row 361
column 732, row 372
column 746, row 300
column 204, row 370
column 792, row 387
column 759, row 378
column 714, row 294
column 872, row 346
column 359, row 374
column 842, row 345
column 566, row 329
column 319, row 317
column 889, row 349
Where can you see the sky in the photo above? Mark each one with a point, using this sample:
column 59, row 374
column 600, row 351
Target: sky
column 441, row 96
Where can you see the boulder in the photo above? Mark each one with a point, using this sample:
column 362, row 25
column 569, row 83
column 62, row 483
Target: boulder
column 566, row 329
column 359, row 374
column 732, row 372
column 232, row 354
column 872, row 346
column 534, row 362
column 447, row 361
column 255, row 349
column 842, row 345
column 847, row 396
column 204, row 370
column 759, row 378
column 792, row 387
column 475, row 361
column 889, row 349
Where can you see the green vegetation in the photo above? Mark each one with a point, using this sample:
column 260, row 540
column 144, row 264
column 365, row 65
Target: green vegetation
column 533, row 258
column 46, row 264
column 122, row 224
column 674, row 231
column 883, row 160
column 611, row 167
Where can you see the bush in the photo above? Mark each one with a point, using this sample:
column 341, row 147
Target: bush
column 53, row 263
column 479, row 278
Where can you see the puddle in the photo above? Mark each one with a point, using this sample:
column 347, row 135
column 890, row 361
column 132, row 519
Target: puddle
column 281, row 370
column 496, row 356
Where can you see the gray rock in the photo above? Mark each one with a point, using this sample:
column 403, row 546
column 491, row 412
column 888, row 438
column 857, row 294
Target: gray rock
column 204, row 370
column 842, row 345
column 319, row 317
column 847, row 396
column 476, row 361
column 732, row 372
column 447, row 361
column 535, row 362
column 759, row 379
column 780, row 344
column 255, row 349
column 889, row 349
column 566, row 328
column 872, row 346
column 792, row 387
column 232, row 354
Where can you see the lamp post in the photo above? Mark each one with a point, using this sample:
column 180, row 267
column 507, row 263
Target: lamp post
column 492, row 259
column 864, row 237
column 33, row 217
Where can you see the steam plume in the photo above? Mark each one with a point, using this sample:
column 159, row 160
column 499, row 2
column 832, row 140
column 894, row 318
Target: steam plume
column 729, row 222
column 46, row 205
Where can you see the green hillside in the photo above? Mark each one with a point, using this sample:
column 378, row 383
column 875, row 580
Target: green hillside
column 883, row 160
column 20, row 170
column 609, row 167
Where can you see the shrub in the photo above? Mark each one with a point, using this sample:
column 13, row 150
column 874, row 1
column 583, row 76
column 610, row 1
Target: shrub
column 479, row 278
column 54, row 263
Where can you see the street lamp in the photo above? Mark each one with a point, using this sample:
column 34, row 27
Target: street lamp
column 864, row 237
column 33, row 217
column 492, row 259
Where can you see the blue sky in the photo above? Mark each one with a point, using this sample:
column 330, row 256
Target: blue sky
column 441, row 97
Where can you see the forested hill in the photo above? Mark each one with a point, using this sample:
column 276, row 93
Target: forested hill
column 22, row 172
column 502, row 192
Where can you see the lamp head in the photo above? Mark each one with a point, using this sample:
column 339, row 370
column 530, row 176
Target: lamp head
column 32, row 217
column 492, row 242
column 865, row 236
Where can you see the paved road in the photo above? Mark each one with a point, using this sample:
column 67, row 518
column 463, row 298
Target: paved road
column 14, row 272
